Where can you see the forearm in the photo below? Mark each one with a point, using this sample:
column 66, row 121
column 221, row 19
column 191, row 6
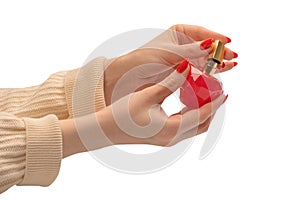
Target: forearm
column 83, row 134
column 71, row 141
column 91, row 132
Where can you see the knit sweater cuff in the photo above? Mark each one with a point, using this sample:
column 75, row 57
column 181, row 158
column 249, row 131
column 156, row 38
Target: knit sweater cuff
column 43, row 150
column 84, row 88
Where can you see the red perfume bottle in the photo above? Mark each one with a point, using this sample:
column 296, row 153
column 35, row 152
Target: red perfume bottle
column 201, row 87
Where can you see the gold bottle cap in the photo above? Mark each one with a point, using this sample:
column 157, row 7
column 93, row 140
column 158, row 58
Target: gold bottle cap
column 215, row 57
column 217, row 53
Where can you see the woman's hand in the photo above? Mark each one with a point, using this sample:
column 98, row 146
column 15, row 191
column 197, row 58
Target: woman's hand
column 138, row 118
column 155, row 60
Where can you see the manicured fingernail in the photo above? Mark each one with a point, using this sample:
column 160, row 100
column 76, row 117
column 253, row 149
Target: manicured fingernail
column 228, row 39
column 182, row 66
column 225, row 98
column 235, row 55
column 223, row 65
column 235, row 64
column 206, row 44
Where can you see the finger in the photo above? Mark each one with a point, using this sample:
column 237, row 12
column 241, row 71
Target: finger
column 179, row 114
column 158, row 92
column 195, row 49
column 225, row 66
column 193, row 118
column 193, row 132
column 210, row 108
column 197, row 130
column 182, row 111
column 199, row 33
column 198, row 116
column 229, row 54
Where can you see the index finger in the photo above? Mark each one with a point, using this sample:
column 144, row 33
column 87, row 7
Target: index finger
column 199, row 33
column 195, row 117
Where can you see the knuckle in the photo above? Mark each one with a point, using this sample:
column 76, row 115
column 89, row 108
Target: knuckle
column 175, row 26
column 204, row 115
column 151, row 92
column 206, row 127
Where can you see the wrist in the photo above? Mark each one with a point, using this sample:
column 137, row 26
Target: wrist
column 113, row 134
column 71, row 140
column 114, row 69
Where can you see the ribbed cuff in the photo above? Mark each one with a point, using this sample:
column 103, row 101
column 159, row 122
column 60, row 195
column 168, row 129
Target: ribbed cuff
column 84, row 88
column 43, row 150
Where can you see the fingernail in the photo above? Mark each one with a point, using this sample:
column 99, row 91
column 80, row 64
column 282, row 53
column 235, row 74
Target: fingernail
column 235, row 64
column 228, row 39
column 223, row 65
column 206, row 44
column 182, row 66
column 225, row 98
column 235, row 55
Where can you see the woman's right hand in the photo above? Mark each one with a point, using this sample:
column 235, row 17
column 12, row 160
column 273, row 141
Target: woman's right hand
column 155, row 60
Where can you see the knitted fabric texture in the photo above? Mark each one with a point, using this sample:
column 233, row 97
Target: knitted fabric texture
column 30, row 136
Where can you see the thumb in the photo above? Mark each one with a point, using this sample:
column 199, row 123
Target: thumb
column 171, row 83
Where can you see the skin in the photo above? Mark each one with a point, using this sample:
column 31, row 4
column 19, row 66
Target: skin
column 147, row 99
column 121, row 65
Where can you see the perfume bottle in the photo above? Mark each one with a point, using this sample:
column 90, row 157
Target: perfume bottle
column 201, row 87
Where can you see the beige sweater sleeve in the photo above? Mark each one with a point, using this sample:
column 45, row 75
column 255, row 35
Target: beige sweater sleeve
column 30, row 150
column 30, row 136
column 37, row 101
column 56, row 94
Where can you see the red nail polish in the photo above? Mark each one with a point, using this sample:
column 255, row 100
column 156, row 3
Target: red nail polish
column 206, row 44
column 201, row 87
column 182, row 66
column 223, row 65
column 235, row 64
column 225, row 98
column 228, row 39
column 235, row 55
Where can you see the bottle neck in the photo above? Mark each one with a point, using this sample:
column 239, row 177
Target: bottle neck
column 211, row 67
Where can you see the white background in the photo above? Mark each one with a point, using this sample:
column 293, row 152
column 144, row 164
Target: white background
column 258, row 154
